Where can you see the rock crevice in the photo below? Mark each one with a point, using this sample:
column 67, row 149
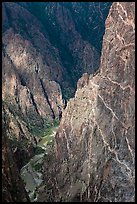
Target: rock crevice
column 94, row 145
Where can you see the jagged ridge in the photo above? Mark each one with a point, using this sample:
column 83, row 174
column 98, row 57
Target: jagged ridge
column 94, row 145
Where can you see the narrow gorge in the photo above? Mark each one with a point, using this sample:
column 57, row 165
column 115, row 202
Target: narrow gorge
column 68, row 102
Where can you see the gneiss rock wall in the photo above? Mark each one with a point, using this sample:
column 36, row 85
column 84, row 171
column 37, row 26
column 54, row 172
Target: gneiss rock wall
column 95, row 143
column 31, row 67
column 43, row 55
column 45, row 45
column 13, row 189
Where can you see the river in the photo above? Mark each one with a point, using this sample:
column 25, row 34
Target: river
column 31, row 173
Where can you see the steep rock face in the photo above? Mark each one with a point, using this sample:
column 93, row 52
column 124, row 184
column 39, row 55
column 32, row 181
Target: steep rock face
column 21, row 43
column 31, row 96
column 44, row 54
column 95, row 142
column 51, row 46
column 21, row 141
column 91, row 17
column 68, row 22
column 13, row 189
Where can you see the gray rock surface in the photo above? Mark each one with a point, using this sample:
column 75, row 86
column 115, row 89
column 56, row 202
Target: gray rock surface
column 44, row 54
column 13, row 189
column 95, row 142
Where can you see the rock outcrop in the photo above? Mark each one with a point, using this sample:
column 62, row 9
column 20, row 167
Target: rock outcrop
column 13, row 189
column 21, row 141
column 95, row 142
column 43, row 55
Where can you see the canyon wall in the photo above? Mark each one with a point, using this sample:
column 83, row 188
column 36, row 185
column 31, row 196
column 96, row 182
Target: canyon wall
column 44, row 53
column 94, row 147
column 13, row 188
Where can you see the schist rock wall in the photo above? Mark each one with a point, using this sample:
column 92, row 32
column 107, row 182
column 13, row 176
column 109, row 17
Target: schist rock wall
column 95, row 143
column 31, row 96
column 34, row 77
column 43, row 55
column 13, row 188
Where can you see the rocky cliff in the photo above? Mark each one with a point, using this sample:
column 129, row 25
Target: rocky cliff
column 95, row 142
column 44, row 54
column 13, row 189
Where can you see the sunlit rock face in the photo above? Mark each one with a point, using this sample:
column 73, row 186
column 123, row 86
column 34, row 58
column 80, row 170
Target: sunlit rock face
column 44, row 52
column 48, row 52
column 95, row 142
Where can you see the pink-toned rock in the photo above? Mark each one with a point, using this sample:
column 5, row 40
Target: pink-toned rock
column 95, row 143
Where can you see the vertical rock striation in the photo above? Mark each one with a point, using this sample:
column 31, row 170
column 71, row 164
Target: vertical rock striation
column 95, row 142
column 43, row 55
column 13, row 189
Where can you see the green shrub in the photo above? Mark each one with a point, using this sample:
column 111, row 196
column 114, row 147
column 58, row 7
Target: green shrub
column 37, row 166
column 39, row 150
column 45, row 130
